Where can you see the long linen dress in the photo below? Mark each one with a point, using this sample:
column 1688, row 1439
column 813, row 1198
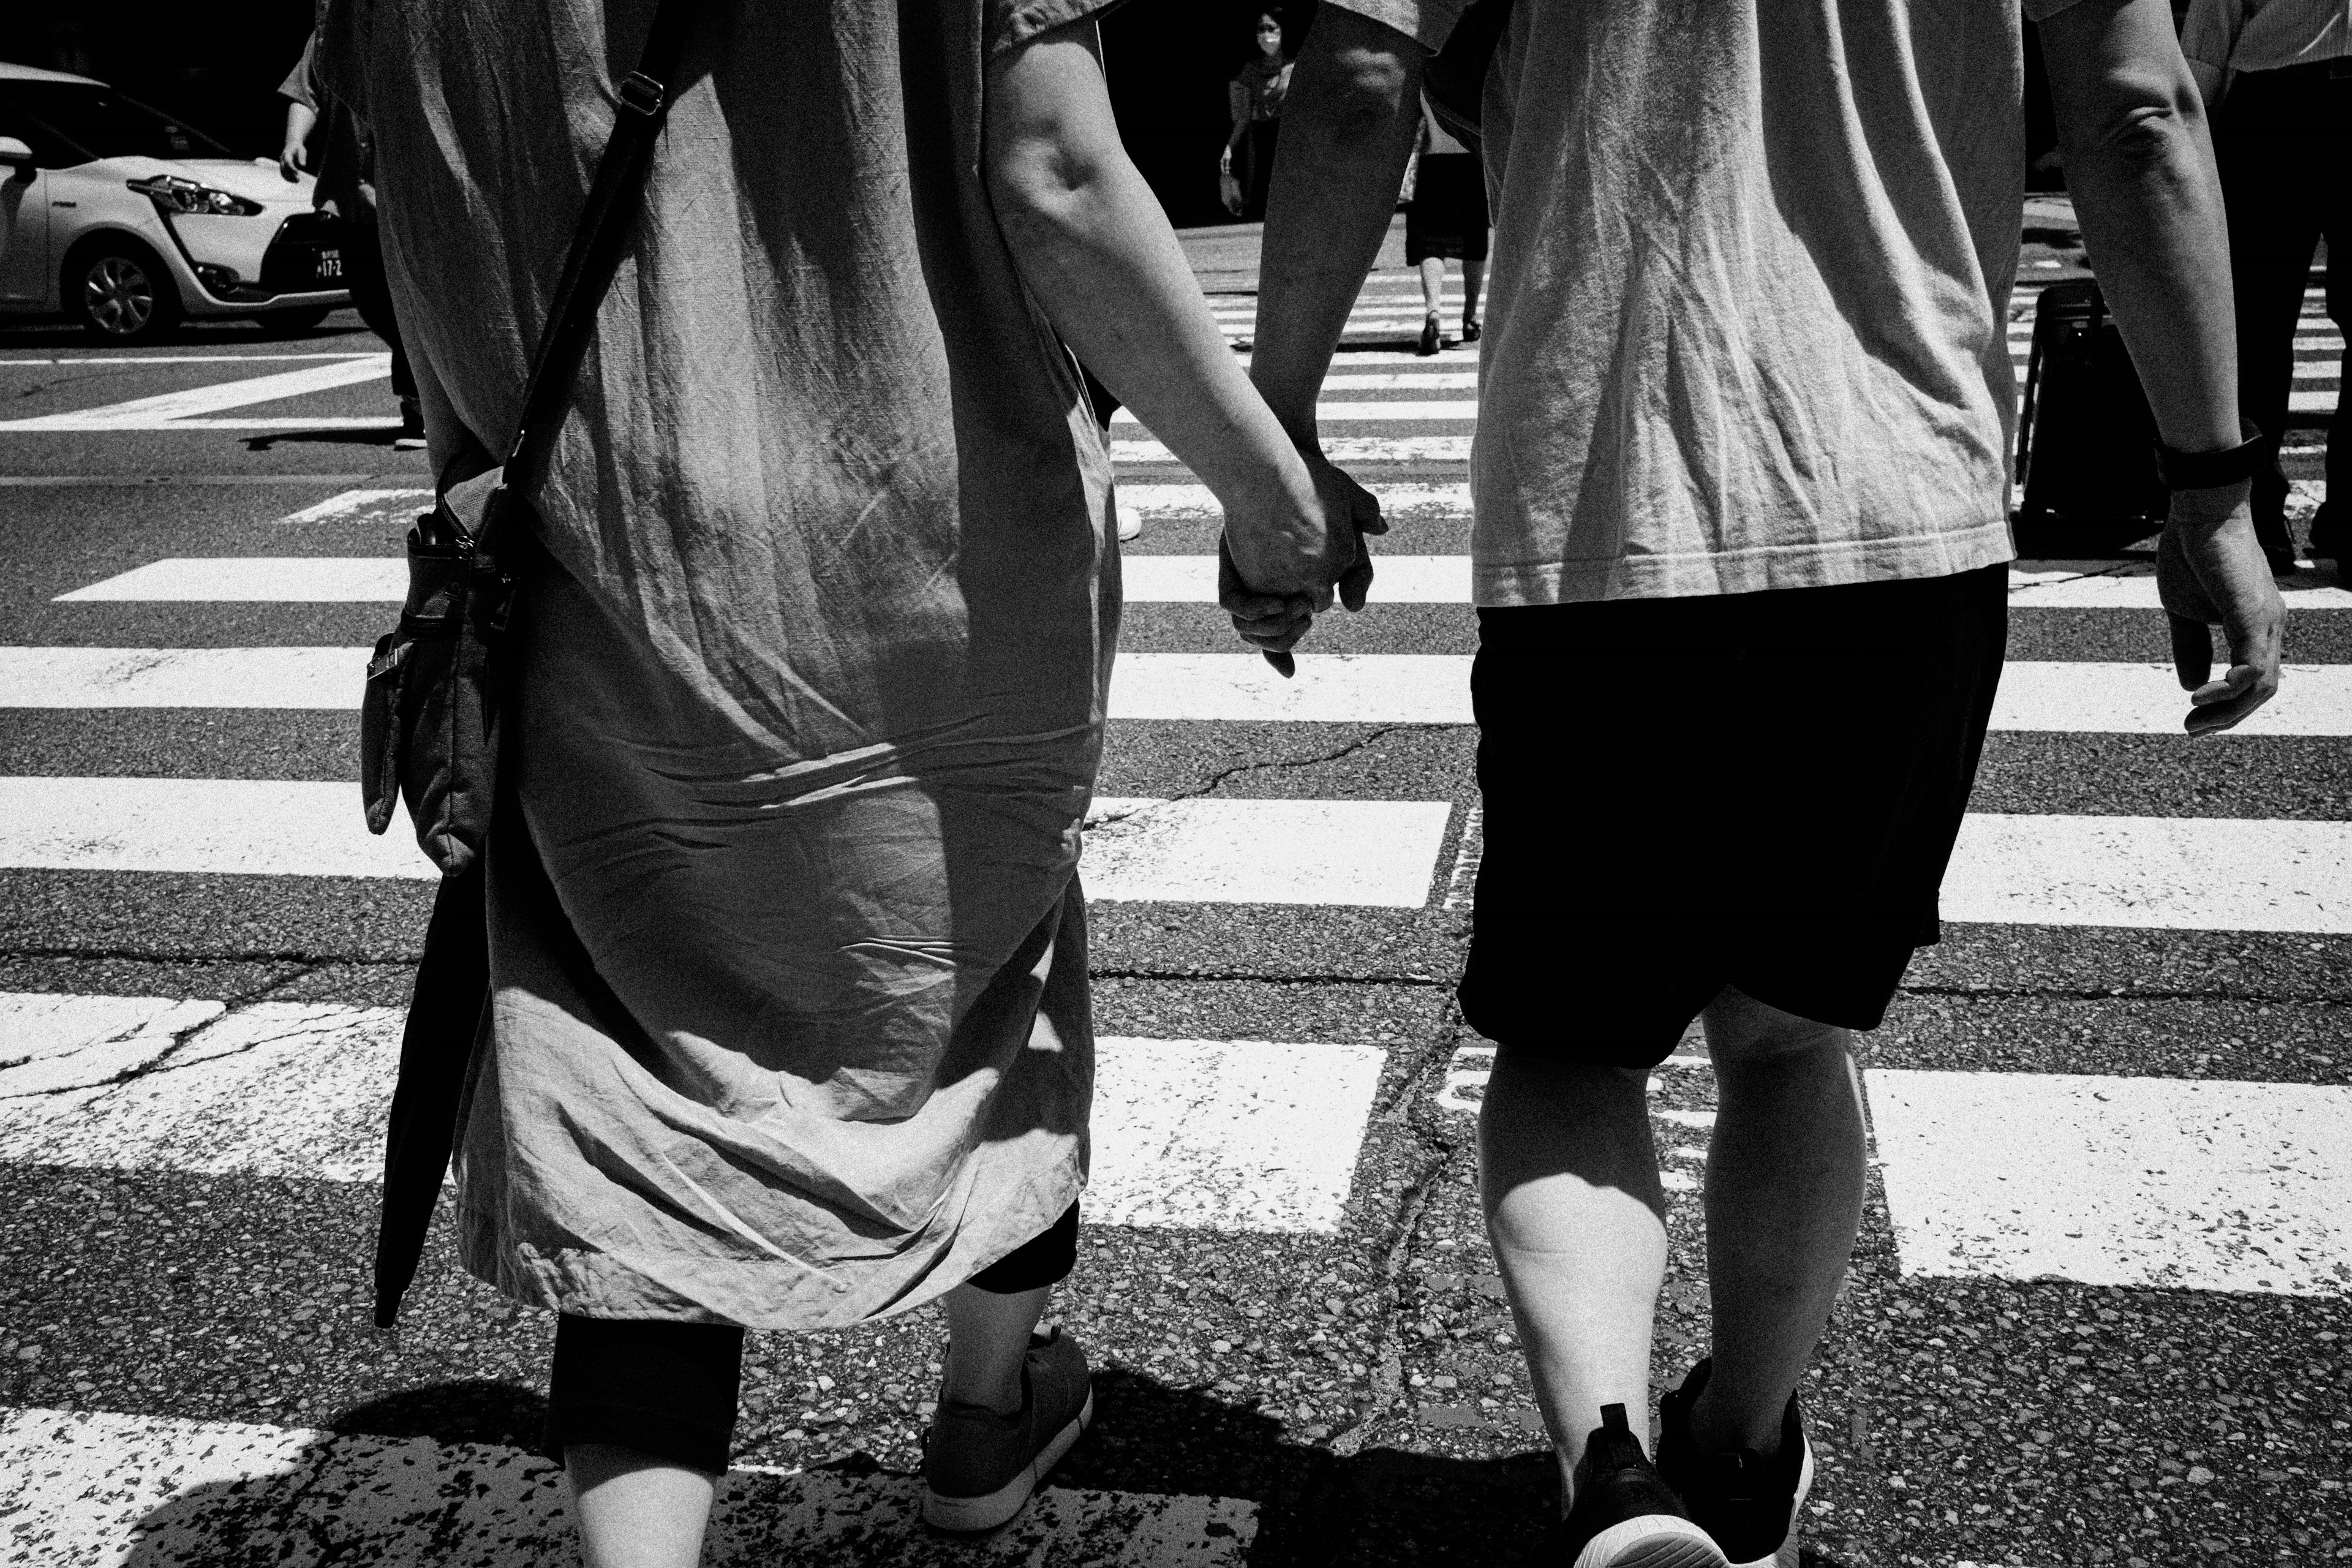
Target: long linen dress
column 789, row 1021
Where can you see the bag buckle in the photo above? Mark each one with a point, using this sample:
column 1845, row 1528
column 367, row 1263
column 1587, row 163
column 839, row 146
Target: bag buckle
column 641, row 93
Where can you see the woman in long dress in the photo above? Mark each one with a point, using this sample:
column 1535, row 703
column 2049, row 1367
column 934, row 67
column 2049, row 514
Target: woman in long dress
column 790, row 1023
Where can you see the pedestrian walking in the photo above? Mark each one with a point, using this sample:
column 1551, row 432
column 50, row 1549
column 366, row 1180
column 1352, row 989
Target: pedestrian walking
column 1253, row 98
column 2277, row 76
column 1446, row 218
column 789, row 1025
column 1738, row 548
column 345, row 157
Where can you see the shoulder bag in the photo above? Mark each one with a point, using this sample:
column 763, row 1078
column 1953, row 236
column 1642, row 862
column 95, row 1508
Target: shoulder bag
column 429, row 722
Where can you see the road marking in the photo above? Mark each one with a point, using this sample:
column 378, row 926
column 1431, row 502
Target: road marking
column 1330, row 688
column 1230, row 1135
column 1396, row 579
column 260, row 677
column 1150, row 579
column 1333, row 853
column 2147, row 699
column 276, row 579
column 1345, row 450
column 1399, row 502
column 2180, row 1183
column 190, row 359
column 2167, row 873
column 60, row 481
column 2131, row 585
column 93, row 1486
column 366, row 506
column 180, row 410
column 1463, row 409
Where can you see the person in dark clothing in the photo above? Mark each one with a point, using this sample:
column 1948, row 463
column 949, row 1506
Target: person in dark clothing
column 346, row 187
column 1254, row 95
column 1446, row 217
column 2277, row 76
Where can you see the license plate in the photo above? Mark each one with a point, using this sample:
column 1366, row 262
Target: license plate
column 330, row 265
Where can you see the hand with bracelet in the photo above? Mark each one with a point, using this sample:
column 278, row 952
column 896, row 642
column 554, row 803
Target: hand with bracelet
column 2210, row 571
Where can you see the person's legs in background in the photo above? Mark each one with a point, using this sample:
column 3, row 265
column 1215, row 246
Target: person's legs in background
column 1474, row 283
column 2331, row 184
column 371, row 297
column 1433, row 302
column 2273, row 233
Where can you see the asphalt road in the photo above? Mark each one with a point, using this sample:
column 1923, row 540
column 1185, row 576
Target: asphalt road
column 2133, row 1352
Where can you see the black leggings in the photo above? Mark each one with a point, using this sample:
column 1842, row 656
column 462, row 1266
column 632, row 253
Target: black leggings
column 669, row 1389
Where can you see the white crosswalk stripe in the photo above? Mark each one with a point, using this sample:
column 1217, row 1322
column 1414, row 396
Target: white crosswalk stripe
column 2164, row 873
column 1200, row 1134
column 1400, row 579
column 1204, row 688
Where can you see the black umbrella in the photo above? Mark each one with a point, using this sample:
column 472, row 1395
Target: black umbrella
column 445, row 1013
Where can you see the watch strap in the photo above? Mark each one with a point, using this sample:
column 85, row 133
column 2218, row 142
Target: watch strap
column 2209, row 470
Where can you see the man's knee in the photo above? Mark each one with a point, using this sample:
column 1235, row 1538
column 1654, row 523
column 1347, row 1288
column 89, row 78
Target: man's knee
column 1741, row 1029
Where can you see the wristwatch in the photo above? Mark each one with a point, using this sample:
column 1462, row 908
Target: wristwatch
column 2209, row 470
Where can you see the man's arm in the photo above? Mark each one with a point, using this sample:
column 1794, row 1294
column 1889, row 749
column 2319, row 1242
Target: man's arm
column 1348, row 129
column 2140, row 166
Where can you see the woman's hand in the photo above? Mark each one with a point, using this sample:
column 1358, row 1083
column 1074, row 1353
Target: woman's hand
column 1287, row 551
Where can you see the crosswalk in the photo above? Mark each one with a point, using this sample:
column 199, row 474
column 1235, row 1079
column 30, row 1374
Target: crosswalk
column 2228, row 1190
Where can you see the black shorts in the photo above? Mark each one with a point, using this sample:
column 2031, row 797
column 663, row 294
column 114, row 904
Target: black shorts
column 1758, row 790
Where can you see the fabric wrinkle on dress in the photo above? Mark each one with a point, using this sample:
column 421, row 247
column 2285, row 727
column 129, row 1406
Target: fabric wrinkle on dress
column 790, row 1024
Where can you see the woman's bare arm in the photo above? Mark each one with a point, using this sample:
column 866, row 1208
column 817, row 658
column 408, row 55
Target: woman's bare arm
column 1095, row 249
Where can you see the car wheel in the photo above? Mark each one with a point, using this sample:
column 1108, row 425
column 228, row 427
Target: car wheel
column 120, row 293
column 291, row 323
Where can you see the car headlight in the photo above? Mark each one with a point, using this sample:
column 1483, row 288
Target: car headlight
column 172, row 194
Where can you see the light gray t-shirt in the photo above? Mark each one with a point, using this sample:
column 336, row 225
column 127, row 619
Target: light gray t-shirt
column 1747, row 319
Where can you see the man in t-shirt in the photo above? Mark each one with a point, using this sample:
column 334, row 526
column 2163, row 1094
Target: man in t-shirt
column 1739, row 545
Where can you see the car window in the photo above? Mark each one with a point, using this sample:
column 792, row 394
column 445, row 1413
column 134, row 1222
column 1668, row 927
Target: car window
column 66, row 123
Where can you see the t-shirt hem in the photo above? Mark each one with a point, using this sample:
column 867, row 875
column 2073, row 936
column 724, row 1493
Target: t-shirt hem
column 1765, row 569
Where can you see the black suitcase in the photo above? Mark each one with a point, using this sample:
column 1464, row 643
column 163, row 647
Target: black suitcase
column 2085, row 440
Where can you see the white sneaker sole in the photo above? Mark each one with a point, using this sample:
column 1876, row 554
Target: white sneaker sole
column 1787, row 1554
column 1651, row 1540
column 966, row 1515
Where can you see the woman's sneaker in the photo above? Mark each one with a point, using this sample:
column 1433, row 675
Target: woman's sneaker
column 978, row 1468
column 1748, row 1502
column 1624, row 1516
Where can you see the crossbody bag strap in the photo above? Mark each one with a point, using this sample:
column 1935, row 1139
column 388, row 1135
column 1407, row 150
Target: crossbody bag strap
column 597, row 240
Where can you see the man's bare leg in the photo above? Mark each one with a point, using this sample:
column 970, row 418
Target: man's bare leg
column 1577, row 1222
column 1785, row 1177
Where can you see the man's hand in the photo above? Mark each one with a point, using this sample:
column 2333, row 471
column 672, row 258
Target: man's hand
column 1277, row 568
column 294, row 161
column 2211, row 571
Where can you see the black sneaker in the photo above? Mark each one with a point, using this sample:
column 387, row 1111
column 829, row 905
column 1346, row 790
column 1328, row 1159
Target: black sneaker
column 1624, row 1517
column 1748, row 1502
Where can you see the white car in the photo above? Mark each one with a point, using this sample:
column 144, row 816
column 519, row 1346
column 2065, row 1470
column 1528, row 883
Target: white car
column 127, row 221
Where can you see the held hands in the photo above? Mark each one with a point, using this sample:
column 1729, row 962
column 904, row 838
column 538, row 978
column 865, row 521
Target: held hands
column 1279, row 564
column 2210, row 570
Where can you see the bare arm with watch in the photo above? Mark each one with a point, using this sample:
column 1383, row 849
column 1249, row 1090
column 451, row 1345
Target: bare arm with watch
column 2140, row 166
